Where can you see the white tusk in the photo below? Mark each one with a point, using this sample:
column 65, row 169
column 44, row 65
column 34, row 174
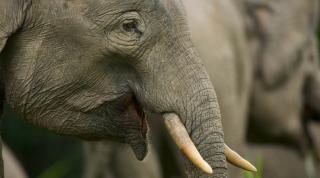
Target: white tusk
column 236, row 160
column 184, row 143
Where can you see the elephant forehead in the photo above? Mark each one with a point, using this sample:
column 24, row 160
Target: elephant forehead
column 114, row 6
column 105, row 7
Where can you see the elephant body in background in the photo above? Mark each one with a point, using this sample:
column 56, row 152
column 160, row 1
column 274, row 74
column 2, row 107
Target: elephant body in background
column 284, row 52
column 277, row 95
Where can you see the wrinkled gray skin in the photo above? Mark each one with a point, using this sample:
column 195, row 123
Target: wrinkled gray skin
column 282, row 35
column 218, row 33
column 89, row 68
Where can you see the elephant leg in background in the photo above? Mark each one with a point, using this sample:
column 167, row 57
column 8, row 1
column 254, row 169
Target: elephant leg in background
column 218, row 33
column 115, row 160
column 12, row 168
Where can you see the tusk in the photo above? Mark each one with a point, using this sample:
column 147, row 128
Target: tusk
column 236, row 160
column 184, row 143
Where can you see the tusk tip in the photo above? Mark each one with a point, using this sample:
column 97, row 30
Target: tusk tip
column 206, row 168
column 250, row 167
column 253, row 169
column 235, row 159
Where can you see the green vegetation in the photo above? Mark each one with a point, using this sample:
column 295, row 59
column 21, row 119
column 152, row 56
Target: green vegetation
column 42, row 153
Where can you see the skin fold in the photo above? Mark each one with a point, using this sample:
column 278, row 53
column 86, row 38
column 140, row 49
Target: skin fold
column 92, row 68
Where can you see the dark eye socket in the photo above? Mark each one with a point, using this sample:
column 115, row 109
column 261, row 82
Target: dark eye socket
column 130, row 26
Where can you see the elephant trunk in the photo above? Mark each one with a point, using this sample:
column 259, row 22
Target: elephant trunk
column 189, row 94
column 180, row 89
column 201, row 118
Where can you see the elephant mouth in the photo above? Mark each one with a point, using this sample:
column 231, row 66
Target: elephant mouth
column 134, row 123
column 125, row 121
column 139, row 146
column 138, row 109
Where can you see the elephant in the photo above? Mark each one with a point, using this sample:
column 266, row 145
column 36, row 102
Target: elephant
column 91, row 69
column 286, row 66
column 218, row 33
column 270, row 81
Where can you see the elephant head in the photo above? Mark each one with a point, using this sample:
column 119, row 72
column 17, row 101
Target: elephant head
column 279, row 50
column 91, row 68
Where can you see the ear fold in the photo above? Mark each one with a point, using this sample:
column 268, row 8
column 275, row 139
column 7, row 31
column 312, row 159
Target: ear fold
column 12, row 15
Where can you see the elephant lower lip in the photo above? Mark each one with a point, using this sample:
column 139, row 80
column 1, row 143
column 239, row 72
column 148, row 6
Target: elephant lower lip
column 140, row 146
column 142, row 116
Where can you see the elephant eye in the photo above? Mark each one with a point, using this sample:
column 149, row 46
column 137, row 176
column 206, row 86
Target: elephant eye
column 129, row 26
column 127, row 30
column 132, row 27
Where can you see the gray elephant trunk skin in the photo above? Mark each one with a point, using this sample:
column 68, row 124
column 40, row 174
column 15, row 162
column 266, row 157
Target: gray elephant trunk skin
column 190, row 94
column 204, row 125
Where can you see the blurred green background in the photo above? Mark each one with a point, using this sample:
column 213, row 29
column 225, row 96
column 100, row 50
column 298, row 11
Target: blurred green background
column 42, row 153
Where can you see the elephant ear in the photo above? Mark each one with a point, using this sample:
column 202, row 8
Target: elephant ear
column 12, row 16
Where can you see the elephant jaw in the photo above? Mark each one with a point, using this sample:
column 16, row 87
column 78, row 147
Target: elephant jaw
column 187, row 147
